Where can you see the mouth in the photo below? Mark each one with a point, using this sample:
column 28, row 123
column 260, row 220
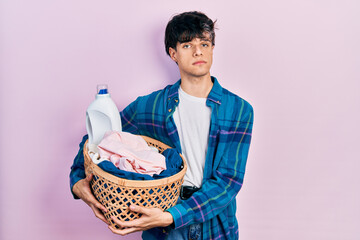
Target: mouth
column 199, row 63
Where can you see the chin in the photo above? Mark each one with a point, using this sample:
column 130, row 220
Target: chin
column 201, row 74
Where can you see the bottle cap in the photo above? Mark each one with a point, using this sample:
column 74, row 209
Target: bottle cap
column 102, row 89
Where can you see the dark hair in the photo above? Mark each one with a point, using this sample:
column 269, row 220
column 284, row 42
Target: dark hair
column 186, row 26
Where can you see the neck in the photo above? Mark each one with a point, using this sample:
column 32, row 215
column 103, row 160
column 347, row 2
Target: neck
column 197, row 86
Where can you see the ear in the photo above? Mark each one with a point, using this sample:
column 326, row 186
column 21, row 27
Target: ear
column 172, row 53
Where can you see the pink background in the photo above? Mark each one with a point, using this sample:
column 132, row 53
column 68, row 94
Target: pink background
column 296, row 61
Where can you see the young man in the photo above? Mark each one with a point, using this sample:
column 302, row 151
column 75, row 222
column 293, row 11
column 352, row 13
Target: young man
column 208, row 124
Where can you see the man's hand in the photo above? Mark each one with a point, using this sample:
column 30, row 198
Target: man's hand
column 151, row 217
column 83, row 191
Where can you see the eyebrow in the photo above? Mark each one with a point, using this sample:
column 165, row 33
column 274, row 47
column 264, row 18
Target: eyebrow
column 201, row 39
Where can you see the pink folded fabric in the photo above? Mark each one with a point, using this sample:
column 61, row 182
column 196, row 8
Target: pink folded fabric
column 131, row 153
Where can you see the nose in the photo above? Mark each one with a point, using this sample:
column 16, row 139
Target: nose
column 197, row 51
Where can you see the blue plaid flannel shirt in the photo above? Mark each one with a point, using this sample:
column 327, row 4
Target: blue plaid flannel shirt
column 214, row 204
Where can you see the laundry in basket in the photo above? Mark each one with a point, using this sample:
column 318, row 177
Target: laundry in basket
column 117, row 193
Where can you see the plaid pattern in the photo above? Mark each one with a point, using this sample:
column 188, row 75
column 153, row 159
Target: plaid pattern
column 229, row 139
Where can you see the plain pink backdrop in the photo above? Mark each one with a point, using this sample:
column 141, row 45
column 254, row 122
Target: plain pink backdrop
column 296, row 61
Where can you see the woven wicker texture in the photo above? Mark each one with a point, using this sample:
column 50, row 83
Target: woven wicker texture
column 117, row 194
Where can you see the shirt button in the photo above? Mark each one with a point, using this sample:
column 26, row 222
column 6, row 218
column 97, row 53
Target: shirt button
column 169, row 109
column 176, row 100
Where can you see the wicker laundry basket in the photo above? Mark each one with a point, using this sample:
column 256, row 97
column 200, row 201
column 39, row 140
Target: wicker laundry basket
column 117, row 194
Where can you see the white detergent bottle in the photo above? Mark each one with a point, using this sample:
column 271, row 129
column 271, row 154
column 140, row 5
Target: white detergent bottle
column 102, row 115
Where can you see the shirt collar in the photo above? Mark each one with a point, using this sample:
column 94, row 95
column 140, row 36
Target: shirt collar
column 216, row 92
column 214, row 95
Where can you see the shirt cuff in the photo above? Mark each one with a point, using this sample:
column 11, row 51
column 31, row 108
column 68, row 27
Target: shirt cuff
column 178, row 213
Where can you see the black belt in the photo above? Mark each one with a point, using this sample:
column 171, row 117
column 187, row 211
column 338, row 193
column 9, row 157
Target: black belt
column 187, row 191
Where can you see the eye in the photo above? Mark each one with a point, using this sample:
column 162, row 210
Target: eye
column 205, row 45
column 186, row 46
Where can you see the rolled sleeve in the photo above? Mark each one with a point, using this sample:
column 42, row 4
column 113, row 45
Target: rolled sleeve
column 77, row 169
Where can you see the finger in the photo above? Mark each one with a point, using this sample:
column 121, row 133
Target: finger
column 127, row 224
column 91, row 200
column 90, row 197
column 99, row 214
column 99, row 206
column 139, row 209
column 123, row 232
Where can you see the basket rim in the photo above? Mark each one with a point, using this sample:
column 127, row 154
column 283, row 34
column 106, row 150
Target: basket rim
column 95, row 169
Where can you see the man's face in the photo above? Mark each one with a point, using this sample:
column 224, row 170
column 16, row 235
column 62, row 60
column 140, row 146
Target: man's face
column 194, row 58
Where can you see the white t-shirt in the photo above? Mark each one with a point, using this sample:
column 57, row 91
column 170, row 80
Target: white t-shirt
column 192, row 120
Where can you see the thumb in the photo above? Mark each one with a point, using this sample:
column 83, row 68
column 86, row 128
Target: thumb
column 89, row 177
